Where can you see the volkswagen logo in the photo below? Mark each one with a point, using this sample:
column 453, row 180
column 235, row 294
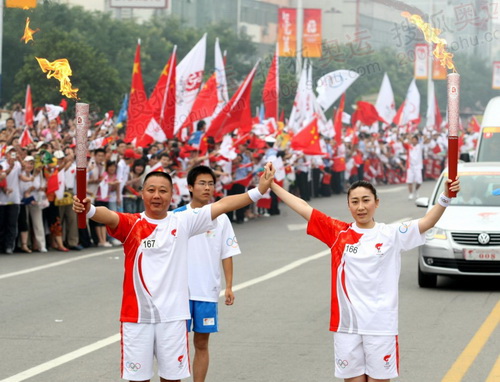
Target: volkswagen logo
column 483, row 238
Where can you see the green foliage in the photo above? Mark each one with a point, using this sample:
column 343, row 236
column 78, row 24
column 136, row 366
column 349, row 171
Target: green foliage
column 101, row 49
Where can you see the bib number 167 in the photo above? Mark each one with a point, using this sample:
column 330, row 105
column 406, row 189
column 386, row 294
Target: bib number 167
column 148, row 243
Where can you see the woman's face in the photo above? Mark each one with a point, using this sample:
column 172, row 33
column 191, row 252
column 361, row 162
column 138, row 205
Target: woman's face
column 138, row 169
column 29, row 165
column 111, row 170
column 362, row 205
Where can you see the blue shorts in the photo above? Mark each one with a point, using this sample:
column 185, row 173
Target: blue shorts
column 203, row 317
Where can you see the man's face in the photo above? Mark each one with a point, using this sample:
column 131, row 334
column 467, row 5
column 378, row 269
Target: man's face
column 121, row 148
column 157, row 195
column 53, row 124
column 10, row 124
column 99, row 157
column 203, row 189
column 165, row 161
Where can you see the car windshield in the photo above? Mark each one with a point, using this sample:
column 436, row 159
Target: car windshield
column 476, row 189
column 489, row 146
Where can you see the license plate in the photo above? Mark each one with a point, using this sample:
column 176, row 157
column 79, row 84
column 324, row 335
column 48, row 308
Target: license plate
column 482, row 254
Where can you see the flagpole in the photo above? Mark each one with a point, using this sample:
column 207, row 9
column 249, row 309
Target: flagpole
column 430, row 59
column 299, row 37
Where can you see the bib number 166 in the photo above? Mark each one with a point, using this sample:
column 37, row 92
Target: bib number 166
column 350, row 249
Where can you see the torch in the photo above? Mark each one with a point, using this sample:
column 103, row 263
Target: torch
column 453, row 124
column 82, row 125
column 446, row 60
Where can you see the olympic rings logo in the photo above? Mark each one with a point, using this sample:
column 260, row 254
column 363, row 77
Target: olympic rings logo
column 133, row 366
column 232, row 242
column 403, row 228
column 342, row 363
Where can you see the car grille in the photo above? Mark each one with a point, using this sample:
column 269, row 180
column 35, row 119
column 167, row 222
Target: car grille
column 466, row 265
column 470, row 238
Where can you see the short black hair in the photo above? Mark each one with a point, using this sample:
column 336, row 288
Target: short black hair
column 200, row 125
column 196, row 171
column 364, row 184
column 161, row 174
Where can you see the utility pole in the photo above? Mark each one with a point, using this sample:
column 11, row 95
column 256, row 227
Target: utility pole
column 1, row 46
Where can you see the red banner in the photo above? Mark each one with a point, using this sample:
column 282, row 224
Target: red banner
column 439, row 72
column 287, row 32
column 311, row 35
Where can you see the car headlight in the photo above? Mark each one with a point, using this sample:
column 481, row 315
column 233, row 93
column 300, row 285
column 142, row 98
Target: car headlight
column 436, row 233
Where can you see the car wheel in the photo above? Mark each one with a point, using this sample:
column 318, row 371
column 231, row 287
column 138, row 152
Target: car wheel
column 426, row 280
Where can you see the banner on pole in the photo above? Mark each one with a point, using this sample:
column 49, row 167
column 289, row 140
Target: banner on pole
column 24, row 4
column 311, row 36
column 421, row 56
column 496, row 75
column 287, row 32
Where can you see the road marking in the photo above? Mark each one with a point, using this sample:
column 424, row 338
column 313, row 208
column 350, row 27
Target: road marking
column 296, row 227
column 473, row 348
column 55, row 264
column 494, row 375
column 63, row 359
column 116, row 337
column 389, row 190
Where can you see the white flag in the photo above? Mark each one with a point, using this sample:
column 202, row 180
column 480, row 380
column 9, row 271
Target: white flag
column 385, row 105
column 411, row 111
column 189, row 74
column 155, row 131
column 220, row 76
column 299, row 104
column 331, row 86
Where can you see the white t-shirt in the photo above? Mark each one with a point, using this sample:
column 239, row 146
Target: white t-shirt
column 205, row 253
column 366, row 264
column 13, row 197
column 155, row 286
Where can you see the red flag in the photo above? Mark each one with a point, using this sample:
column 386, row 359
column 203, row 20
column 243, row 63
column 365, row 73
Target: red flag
column 399, row 114
column 270, row 92
column 438, row 118
column 236, row 113
column 205, row 102
column 366, row 113
column 476, row 127
column 64, row 104
column 307, row 139
column 282, row 116
column 243, row 181
column 139, row 111
column 28, row 108
column 337, row 124
column 162, row 100
column 257, row 143
column 25, row 139
column 203, row 144
column 53, row 182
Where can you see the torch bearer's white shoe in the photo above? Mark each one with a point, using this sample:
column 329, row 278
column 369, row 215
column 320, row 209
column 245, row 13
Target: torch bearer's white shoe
column 410, row 197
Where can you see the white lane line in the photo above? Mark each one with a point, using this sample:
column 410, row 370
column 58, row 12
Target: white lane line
column 62, row 359
column 22, row 376
column 389, row 190
column 296, row 227
column 55, row 264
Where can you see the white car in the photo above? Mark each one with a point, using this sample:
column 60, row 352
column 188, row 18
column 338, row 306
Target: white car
column 466, row 240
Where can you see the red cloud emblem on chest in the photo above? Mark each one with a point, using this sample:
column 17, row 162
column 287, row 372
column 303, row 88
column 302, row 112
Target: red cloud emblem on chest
column 174, row 232
column 378, row 246
column 387, row 357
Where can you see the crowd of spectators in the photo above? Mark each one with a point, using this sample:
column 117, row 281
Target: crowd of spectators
column 37, row 172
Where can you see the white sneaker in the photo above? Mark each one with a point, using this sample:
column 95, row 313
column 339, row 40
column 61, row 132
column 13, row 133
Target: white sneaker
column 106, row 245
column 43, row 250
column 410, row 197
column 115, row 242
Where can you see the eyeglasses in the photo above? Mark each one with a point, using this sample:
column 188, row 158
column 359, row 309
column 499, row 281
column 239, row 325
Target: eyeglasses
column 204, row 184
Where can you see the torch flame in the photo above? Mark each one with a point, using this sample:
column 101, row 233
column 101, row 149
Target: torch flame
column 28, row 32
column 432, row 35
column 60, row 70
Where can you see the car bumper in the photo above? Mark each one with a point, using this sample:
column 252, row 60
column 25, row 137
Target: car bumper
column 441, row 260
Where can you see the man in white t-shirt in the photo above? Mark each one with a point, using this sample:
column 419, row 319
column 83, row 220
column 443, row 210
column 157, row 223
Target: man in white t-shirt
column 206, row 251
column 414, row 166
column 155, row 304
column 10, row 201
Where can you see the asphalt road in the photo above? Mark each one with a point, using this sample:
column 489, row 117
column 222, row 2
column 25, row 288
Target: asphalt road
column 59, row 311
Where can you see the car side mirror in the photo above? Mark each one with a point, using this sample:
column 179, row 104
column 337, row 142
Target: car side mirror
column 422, row 202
